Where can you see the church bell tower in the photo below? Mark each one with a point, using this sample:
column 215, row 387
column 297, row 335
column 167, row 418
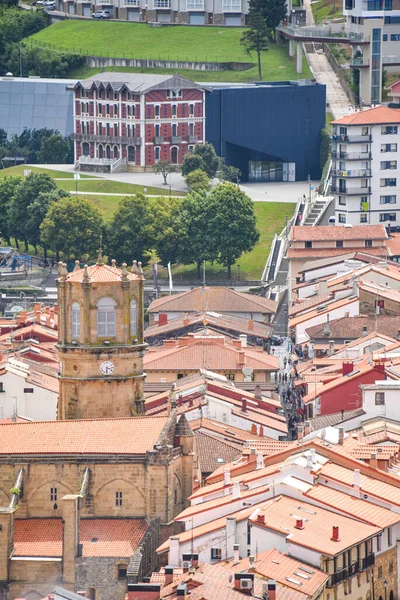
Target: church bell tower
column 100, row 342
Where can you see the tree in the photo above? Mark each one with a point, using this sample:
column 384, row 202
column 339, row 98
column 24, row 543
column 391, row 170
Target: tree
column 164, row 168
column 55, row 150
column 192, row 162
column 274, row 11
column 197, row 180
column 166, row 232
column 24, row 195
column 231, row 223
column 37, row 212
column 255, row 38
column 73, row 226
column 229, row 173
column 8, row 185
column 209, row 157
column 197, row 237
column 128, row 230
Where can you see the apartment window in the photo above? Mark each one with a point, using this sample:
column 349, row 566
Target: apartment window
column 389, row 182
column 368, row 243
column 107, row 110
column 106, row 317
column 388, row 147
column 364, row 183
column 387, row 199
column 108, row 129
column 174, row 130
column 191, row 149
column 248, row 533
column 342, row 218
column 100, row 110
column 191, row 128
column 122, row 571
column 118, row 498
column 100, row 94
column 391, row 567
column 157, row 111
column 363, row 218
column 388, row 164
column 216, row 554
column 384, row 37
column 191, row 110
column 389, row 130
column 1, row 387
column 387, row 217
column 173, row 108
column 76, row 320
column 157, row 152
column 339, row 244
column 379, row 306
column 379, row 570
column 230, row 376
column 53, row 494
column 364, row 131
column 389, row 531
column 307, row 244
column 343, row 130
column 342, row 201
column 379, row 401
column 115, row 129
column 115, row 110
column 157, row 130
column 395, row 37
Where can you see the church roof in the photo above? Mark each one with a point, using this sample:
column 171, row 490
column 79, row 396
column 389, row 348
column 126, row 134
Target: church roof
column 127, row 436
column 100, row 274
column 183, row 428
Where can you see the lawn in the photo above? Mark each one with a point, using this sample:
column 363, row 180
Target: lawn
column 105, row 186
column 19, row 170
column 326, row 10
column 137, row 40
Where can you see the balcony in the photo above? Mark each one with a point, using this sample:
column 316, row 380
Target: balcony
column 193, row 139
column 367, row 562
column 365, row 191
column 342, row 575
column 107, row 139
column 352, row 173
column 351, row 139
column 352, row 155
column 158, row 140
column 232, row 6
column 162, row 3
column 176, row 139
column 195, row 5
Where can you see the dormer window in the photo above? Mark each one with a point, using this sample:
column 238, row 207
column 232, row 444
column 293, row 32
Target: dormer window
column 76, row 320
column 106, row 318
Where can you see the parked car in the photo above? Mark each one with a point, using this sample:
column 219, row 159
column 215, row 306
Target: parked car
column 50, row 5
column 276, row 340
column 331, row 220
column 101, row 14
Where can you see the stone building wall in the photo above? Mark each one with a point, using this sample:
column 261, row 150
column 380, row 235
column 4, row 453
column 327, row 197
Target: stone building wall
column 385, row 569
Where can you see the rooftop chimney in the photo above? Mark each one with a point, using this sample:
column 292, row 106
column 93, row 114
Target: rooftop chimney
column 186, row 320
column 181, row 590
column 309, row 461
column 260, row 461
column 240, row 358
column 299, row 524
column 244, row 405
column 236, row 557
column 257, row 391
column 373, row 460
column 250, row 325
column 357, row 480
column 327, row 327
column 335, row 533
column 271, row 589
column 300, row 432
column 341, row 436
column 252, row 562
column 261, row 519
column 174, row 550
column 364, row 331
column 347, row 314
column 331, row 348
column 169, row 575
column 307, row 427
column 236, row 491
column 162, row 319
column 347, row 368
column 227, row 476
column 243, row 340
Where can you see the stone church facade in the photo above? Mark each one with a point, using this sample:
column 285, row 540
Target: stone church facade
column 85, row 500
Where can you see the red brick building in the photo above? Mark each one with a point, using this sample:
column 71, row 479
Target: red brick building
column 129, row 121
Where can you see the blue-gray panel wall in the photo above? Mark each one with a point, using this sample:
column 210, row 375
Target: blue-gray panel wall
column 35, row 105
column 281, row 123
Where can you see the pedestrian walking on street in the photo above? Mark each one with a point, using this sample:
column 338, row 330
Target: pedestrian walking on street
column 285, row 362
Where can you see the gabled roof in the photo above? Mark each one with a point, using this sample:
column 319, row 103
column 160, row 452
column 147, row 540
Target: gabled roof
column 342, row 303
column 211, row 450
column 213, row 299
column 372, row 116
column 137, row 82
column 328, row 233
column 127, row 436
column 352, row 327
column 99, row 274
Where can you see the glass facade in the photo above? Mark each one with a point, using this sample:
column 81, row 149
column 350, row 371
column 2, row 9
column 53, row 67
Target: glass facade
column 376, row 66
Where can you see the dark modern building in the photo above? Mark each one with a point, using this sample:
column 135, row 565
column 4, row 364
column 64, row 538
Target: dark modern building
column 270, row 131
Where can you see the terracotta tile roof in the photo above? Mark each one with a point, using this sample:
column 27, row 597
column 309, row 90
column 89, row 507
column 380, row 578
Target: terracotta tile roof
column 308, row 303
column 273, row 564
column 115, row 537
column 209, row 353
column 213, row 299
column 326, row 233
column 44, row 381
column 210, row 449
column 226, row 432
column 353, row 507
column 99, row 274
column 38, row 537
column 31, row 331
column 214, row 321
column 371, row 116
column 342, row 303
column 380, row 291
column 313, row 253
column 280, row 515
column 352, row 327
column 334, row 419
column 99, row 537
column 100, row 436
column 360, row 369
column 393, row 244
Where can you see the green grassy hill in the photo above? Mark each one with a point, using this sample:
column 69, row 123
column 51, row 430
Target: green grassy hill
column 138, row 40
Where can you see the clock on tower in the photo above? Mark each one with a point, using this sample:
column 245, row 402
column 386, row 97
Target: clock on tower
column 100, row 343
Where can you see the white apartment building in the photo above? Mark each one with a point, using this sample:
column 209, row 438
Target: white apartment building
column 366, row 167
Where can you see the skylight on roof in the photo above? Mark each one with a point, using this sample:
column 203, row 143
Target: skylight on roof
column 293, row 581
column 309, row 571
column 302, row 575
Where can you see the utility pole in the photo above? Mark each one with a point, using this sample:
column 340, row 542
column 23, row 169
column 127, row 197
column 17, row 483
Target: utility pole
column 20, row 60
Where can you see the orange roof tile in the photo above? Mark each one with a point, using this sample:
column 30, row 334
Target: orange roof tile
column 100, row 436
column 99, row 274
column 38, row 537
column 280, row 515
column 371, row 116
column 313, row 253
column 343, row 302
column 326, row 233
column 213, row 299
column 114, row 537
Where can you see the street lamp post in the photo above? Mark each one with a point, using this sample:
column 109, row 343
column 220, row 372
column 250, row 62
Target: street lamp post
column 385, row 584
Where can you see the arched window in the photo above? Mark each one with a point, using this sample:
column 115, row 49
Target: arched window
column 116, row 152
column 157, row 153
column 106, row 317
column 133, row 317
column 108, row 151
column 85, row 149
column 101, row 151
column 174, row 155
column 131, row 153
column 76, row 320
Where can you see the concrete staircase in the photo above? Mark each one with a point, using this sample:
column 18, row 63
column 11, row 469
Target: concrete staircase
column 316, row 211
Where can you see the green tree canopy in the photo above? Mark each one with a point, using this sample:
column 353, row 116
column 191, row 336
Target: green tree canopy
column 164, row 168
column 166, row 231
column 24, row 195
column 8, row 186
column 36, row 213
column 73, row 226
column 209, row 157
column 192, row 162
column 255, row 37
column 273, row 11
column 128, row 235
column 197, row 180
column 54, row 150
column 231, row 224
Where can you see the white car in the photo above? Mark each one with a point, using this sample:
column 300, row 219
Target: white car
column 101, row 14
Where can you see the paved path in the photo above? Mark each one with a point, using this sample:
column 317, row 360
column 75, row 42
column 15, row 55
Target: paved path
column 121, row 195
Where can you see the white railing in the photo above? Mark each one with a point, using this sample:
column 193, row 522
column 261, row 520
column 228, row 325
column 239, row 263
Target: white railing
column 117, row 163
column 87, row 160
